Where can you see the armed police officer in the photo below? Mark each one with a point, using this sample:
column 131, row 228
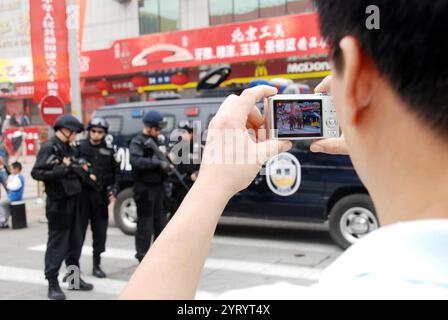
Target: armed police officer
column 149, row 169
column 57, row 167
column 99, row 190
column 186, row 155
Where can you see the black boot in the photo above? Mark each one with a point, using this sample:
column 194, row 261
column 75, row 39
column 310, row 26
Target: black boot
column 97, row 272
column 54, row 290
column 84, row 286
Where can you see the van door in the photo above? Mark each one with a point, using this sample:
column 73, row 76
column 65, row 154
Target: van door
column 276, row 193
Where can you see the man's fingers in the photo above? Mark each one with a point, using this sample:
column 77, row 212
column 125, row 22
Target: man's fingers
column 249, row 97
column 330, row 146
column 324, row 86
column 242, row 108
column 255, row 118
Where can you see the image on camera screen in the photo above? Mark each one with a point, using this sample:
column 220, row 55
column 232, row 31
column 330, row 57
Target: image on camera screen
column 299, row 118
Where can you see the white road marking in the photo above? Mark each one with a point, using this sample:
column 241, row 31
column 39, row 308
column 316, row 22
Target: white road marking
column 250, row 267
column 32, row 276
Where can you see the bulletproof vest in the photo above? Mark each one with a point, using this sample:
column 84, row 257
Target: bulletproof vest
column 71, row 182
column 101, row 158
column 149, row 176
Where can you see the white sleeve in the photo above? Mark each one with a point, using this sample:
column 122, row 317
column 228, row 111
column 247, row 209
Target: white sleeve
column 13, row 183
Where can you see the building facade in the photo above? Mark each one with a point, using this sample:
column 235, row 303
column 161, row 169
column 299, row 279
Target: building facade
column 132, row 48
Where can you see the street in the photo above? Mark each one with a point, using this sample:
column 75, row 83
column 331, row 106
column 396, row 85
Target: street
column 241, row 257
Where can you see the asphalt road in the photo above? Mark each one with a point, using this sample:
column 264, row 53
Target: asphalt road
column 241, row 258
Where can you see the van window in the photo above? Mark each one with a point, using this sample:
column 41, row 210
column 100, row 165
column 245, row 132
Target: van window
column 115, row 124
column 170, row 121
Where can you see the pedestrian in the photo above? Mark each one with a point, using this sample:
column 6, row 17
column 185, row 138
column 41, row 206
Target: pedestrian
column 4, row 203
column 56, row 166
column 150, row 172
column 99, row 190
column 15, row 183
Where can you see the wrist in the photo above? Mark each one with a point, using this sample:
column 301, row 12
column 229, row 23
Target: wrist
column 210, row 185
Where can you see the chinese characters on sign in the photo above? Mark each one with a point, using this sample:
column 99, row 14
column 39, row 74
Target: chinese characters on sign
column 49, row 47
column 294, row 35
column 254, row 42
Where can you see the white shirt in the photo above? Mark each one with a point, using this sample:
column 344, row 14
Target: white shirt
column 13, row 182
column 402, row 261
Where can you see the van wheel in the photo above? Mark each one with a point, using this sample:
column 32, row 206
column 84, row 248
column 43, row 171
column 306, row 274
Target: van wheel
column 125, row 212
column 352, row 218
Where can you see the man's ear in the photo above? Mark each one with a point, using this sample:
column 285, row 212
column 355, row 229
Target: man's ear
column 357, row 79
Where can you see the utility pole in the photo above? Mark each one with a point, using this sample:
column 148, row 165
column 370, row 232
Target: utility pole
column 73, row 48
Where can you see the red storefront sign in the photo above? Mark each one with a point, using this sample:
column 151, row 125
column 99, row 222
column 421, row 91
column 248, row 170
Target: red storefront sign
column 254, row 40
column 49, row 40
column 29, row 134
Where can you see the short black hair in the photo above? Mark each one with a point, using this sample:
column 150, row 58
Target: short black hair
column 410, row 48
column 17, row 165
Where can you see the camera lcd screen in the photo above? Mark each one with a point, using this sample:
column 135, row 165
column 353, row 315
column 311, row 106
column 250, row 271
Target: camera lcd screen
column 298, row 118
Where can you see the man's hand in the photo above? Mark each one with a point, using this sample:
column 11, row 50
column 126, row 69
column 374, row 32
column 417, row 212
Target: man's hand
column 331, row 145
column 112, row 197
column 67, row 161
column 92, row 177
column 233, row 155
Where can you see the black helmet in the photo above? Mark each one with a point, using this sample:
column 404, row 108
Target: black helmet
column 154, row 118
column 186, row 125
column 98, row 122
column 69, row 122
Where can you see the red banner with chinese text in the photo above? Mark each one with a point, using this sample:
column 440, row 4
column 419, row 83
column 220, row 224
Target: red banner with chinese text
column 49, row 44
column 281, row 37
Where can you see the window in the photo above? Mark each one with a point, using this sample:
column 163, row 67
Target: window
column 299, row 6
column 170, row 122
column 115, row 124
column 272, row 8
column 227, row 11
column 221, row 11
column 169, row 15
column 149, row 16
column 245, row 10
column 158, row 16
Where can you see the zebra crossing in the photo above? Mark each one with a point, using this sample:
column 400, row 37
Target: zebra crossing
column 234, row 263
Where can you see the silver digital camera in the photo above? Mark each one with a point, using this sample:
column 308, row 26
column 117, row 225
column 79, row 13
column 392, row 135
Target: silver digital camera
column 301, row 117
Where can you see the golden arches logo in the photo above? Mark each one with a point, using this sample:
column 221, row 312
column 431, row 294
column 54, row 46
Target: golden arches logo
column 261, row 71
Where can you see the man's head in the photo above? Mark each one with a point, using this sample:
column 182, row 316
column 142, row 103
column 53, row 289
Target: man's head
column 16, row 167
column 154, row 123
column 66, row 127
column 187, row 130
column 390, row 85
column 97, row 128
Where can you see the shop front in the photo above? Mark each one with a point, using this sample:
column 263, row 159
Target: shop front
column 288, row 47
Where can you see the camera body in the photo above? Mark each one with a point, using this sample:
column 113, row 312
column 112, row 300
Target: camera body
column 301, row 117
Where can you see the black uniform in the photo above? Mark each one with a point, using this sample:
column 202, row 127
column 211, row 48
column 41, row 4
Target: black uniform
column 95, row 195
column 63, row 188
column 149, row 175
column 186, row 165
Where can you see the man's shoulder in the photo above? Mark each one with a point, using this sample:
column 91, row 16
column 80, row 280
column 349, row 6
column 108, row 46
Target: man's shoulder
column 139, row 137
column 411, row 251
